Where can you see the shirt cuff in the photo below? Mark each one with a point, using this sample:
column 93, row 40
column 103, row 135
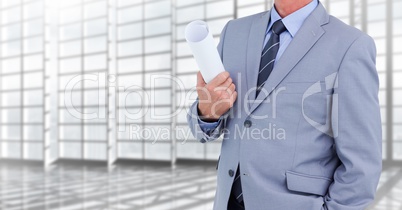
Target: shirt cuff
column 207, row 127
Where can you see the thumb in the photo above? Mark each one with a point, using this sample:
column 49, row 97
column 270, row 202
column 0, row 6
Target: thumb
column 200, row 80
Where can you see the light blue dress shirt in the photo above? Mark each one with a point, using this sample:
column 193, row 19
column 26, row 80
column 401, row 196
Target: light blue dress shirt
column 292, row 22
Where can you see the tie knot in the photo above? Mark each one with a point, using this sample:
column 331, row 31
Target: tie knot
column 278, row 27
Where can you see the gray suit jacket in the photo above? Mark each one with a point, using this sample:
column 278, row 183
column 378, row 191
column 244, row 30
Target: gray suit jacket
column 312, row 138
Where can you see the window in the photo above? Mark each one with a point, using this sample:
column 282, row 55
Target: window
column 83, row 96
column 144, row 52
column 22, row 73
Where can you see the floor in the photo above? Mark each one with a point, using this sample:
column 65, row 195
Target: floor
column 187, row 187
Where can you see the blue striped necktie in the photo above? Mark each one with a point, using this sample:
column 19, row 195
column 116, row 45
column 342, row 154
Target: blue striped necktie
column 236, row 188
column 269, row 54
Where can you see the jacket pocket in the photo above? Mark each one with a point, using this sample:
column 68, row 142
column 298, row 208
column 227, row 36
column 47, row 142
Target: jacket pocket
column 317, row 185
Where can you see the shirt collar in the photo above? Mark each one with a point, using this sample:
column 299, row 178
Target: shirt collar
column 294, row 21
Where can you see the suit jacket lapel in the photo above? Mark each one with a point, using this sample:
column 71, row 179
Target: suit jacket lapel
column 304, row 40
column 254, row 48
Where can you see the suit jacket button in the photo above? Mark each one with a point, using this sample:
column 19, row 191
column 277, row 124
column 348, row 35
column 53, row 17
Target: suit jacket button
column 231, row 173
column 248, row 123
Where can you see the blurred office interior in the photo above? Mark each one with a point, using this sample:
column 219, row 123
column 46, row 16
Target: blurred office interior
column 51, row 158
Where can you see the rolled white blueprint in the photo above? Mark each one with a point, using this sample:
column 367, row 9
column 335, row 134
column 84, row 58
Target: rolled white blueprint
column 203, row 47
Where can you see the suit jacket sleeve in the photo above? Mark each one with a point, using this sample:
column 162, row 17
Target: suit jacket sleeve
column 356, row 124
column 193, row 117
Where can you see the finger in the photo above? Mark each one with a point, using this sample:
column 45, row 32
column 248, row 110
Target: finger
column 225, row 85
column 200, row 80
column 219, row 79
column 226, row 89
column 231, row 88
column 233, row 98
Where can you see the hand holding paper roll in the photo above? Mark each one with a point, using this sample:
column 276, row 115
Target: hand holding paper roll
column 219, row 95
column 203, row 47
